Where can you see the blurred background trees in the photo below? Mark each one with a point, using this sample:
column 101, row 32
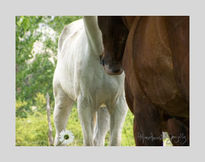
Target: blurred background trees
column 36, row 51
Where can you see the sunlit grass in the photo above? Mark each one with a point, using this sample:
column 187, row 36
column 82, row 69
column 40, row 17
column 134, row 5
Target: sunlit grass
column 33, row 130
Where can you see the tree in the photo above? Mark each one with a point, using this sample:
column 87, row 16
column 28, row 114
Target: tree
column 36, row 50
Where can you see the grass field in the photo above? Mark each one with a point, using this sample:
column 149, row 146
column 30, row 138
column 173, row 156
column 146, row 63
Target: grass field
column 33, row 130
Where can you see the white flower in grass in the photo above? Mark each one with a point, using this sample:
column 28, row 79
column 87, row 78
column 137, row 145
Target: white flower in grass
column 66, row 137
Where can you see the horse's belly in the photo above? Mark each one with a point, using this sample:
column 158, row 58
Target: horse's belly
column 65, row 77
column 69, row 68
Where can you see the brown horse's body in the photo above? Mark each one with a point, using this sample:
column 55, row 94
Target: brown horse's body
column 156, row 65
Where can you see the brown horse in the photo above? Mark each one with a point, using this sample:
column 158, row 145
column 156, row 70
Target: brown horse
column 154, row 53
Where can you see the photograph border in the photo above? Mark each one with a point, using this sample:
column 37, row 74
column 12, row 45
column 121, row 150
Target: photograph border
column 58, row 8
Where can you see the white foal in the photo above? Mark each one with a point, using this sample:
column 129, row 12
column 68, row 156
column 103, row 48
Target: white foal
column 80, row 77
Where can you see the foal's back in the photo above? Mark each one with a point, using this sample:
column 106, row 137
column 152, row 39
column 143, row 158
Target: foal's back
column 70, row 47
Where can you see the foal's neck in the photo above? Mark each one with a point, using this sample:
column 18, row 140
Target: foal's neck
column 93, row 34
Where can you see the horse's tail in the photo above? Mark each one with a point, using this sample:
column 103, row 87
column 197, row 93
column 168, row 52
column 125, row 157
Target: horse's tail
column 68, row 31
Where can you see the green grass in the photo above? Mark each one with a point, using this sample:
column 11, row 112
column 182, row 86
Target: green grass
column 33, row 130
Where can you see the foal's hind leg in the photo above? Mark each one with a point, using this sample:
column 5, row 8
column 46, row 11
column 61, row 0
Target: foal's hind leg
column 87, row 115
column 103, row 118
column 63, row 107
column 117, row 117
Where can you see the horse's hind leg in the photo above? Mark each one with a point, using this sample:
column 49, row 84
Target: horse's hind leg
column 103, row 118
column 147, row 128
column 63, row 107
column 178, row 132
column 87, row 115
column 117, row 117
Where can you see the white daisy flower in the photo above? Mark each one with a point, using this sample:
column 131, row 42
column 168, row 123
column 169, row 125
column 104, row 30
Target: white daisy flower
column 66, row 137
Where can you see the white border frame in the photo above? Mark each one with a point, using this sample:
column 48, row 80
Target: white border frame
column 10, row 9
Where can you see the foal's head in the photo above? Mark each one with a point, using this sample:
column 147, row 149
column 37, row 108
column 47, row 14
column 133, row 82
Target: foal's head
column 114, row 34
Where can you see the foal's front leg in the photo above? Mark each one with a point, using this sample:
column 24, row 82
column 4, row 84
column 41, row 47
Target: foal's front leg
column 87, row 115
column 117, row 117
column 102, row 126
column 63, row 107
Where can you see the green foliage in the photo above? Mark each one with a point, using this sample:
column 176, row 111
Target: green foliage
column 58, row 22
column 21, row 107
column 32, row 131
column 35, row 68
column 40, row 102
column 127, row 132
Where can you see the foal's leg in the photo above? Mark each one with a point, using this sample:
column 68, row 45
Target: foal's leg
column 103, row 118
column 63, row 107
column 87, row 115
column 117, row 117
